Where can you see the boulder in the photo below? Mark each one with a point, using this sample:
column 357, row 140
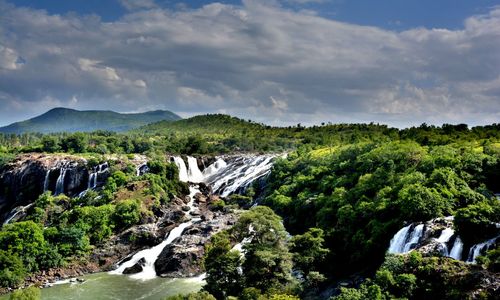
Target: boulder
column 136, row 268
column 182, row 257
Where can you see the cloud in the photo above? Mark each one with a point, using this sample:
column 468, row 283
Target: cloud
column 137, row 4
column 8, row 58
column 255, row 60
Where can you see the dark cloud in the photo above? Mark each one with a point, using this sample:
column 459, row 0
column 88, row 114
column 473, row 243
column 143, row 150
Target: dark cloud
column 256, row 61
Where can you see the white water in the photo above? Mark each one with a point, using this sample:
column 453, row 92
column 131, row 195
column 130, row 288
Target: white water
column 151, row 255
column 443, row 239
column 181, row 165
column 415, row 236
column 17, row 210
column 60, row 180
column 194, row 173
column 214, row 168
column 46, row 181
column 239, row 174
column 92, row 184
column 399, row 239
column 456, row 249
column 478, row 249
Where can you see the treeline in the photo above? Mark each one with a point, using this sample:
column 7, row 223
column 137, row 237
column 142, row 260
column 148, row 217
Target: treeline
column 217, row 134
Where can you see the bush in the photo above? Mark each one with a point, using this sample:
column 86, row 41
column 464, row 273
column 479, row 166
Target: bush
column 31, row 293
column 127, row 213
column 12, row 271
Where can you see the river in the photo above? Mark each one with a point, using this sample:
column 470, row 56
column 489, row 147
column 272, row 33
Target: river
column 107, row 286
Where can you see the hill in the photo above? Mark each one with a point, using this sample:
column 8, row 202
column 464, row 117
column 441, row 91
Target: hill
column 70, row 120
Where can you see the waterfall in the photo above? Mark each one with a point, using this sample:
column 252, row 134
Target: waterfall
column 443, row 239
column 149, row 256
column 194, row 173
column 480, row 248
column 414, row 238
column 17, row 210
column 142, row 169
column 60, row 180
column 236, row 175
column 398, row 241
column 456, row 249
column 239, row 174
column 181, row 165
column 92, row 184
column 214, row 168
column 46, row 181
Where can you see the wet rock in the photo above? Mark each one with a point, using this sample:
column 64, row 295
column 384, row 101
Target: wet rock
column 186, row 208
column 136, row 268
column 183, row 257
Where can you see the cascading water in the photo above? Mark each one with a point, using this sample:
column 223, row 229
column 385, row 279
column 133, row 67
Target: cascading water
column 443, row 239
column 214, row 168
column 92, row 184
column 456, row 249
column 16, row 211
column 194, row 173
column 60, row 180
column 181, row 165
column 238, row 174
column 415, row 236
column 149, row 256
column 249, row 167
column 46, row 181
column 406, row 239
column 480, row 248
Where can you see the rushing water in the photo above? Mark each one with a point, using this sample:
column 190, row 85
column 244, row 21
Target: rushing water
column 456, row 250
column 104, row 286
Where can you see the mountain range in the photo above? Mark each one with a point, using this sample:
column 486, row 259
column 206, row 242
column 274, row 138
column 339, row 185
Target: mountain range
column 70, row 120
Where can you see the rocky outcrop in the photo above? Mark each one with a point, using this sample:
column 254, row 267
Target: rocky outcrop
column 182, row 258
column 27, row 177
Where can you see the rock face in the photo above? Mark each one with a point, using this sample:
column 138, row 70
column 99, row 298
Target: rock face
column 183, row 256
column 23, row 180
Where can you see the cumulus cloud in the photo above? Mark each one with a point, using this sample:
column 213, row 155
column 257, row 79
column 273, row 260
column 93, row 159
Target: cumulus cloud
column 255, row 60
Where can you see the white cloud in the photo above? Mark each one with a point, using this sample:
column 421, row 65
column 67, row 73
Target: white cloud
column 8, row 58
column 257, row 61
column 137, row 4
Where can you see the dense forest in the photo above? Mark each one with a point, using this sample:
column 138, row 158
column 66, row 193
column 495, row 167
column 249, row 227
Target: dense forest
column 327, row 212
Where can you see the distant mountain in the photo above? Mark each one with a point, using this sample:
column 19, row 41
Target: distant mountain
column 203, row 124
column 70, row 120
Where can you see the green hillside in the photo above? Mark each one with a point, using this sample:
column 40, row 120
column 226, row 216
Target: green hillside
column 70, row 120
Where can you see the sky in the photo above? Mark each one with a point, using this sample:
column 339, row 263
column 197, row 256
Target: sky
column 281, row 62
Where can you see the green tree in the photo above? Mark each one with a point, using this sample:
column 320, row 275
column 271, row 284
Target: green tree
column 222, row 265
column 308, row 250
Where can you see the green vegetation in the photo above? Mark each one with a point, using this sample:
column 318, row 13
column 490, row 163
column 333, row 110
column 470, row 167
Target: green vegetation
column 342, row 192
column 59, row 230
column 31, row 293
column 412, row 276
column 70, row 120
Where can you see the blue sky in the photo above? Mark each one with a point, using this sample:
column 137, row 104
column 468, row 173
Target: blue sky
column 282, row 62
column 391, row 14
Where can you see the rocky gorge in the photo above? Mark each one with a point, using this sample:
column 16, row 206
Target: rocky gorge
column 192, row 216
